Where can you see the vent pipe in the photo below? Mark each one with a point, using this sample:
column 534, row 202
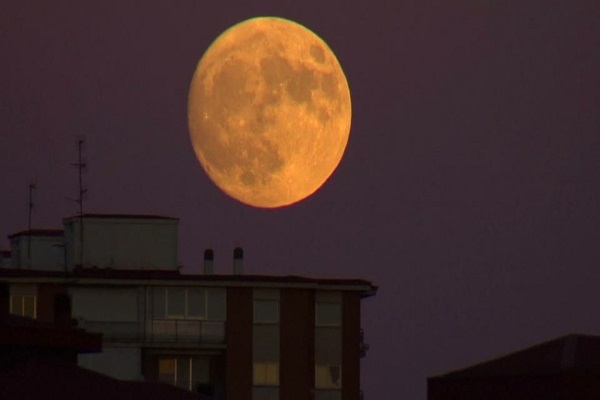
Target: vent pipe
column 208, row 262
column 238, row 258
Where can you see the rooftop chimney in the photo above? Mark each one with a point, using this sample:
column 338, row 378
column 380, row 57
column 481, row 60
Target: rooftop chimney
column 208, row 262
column 238, row 258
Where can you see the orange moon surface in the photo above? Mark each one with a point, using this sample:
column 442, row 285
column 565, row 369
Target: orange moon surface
column 269, row 112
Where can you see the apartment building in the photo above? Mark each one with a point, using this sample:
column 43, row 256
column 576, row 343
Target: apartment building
column 233, row 336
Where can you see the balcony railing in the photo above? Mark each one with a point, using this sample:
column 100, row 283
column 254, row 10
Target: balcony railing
column 164, row 330
column 186, row 330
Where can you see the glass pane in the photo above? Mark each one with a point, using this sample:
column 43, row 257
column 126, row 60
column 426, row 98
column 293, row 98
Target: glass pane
column 158, row 303
column 328, row 394
column 321, row 376
column 29, row 306
column 335, row 374
column 266, row 311
column 196, row 303
column 266, row 393
column 217, row 305
column 328, row 376
column 328, row 314
column 266, row 374
column 16, row 304
column 183, row 372
column 272, row 374
column 200, row 371
column 167, row 368
column 175, row 302
column 259, row 373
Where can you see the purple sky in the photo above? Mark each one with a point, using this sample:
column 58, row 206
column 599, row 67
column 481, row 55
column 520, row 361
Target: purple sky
column 469, row 190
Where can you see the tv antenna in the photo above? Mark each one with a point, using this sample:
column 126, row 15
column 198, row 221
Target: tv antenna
column 29, row 215
column 80, row 164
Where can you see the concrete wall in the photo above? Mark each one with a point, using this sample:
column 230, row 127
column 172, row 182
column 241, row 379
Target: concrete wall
column 238, row 376
column 47, row 252
column 297, row 344
column 121, row 363
column 122, row 243
column 5, row 259
column 105, row 304
column 351, row 346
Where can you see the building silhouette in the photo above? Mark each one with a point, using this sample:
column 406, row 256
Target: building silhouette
column 564, row 368
column 39, row 360
column 233, row 336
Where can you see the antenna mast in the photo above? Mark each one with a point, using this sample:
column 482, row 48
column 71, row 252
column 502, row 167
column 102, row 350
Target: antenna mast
column 80, row 167
column 82, row 191
column 29, row 214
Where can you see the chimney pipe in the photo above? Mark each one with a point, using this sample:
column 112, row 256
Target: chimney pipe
column 238, row 258
column 208, row 261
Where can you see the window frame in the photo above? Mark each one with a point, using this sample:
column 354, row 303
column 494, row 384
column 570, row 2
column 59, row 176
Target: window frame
column 265, row 382
column 170, row 358
column 274, row 321
column 186, row 315
column 208, row 293
column 333, row 324
column 328, row 386
column 22, row 298
column 188, row 364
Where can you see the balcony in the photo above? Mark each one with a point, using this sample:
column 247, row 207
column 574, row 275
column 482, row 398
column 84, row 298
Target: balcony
column 159, row 331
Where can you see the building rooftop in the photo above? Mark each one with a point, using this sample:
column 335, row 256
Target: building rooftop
column 120, row 216
column 156, row 276
column 38, row 233
column 568, row 354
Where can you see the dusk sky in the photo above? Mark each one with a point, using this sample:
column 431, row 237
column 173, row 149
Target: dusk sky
column 469, row 192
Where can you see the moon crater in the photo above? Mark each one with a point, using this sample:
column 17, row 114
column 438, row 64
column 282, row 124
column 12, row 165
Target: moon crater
column 269, row 112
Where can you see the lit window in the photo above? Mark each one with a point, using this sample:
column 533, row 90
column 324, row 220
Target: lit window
column 266, row 374
column 266, row 311
column 167, row 370
column 328, row 314
column 186, row 372
column 23, row 305
column 328, row 376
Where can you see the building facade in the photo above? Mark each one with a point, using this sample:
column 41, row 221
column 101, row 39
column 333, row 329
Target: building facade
column 232, row 336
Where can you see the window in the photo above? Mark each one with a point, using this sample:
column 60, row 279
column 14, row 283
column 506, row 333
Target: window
column 167, row 370
column 194, row 303
column 188, row 373
column 328, row 314
column 176, row 303
column 266, row 311
column 23, row 305
column 266, row 374
column 328, row 376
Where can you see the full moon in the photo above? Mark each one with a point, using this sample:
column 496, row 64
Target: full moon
column 269, row 112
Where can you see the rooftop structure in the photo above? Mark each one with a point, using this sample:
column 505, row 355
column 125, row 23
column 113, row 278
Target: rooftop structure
column 227, row 336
